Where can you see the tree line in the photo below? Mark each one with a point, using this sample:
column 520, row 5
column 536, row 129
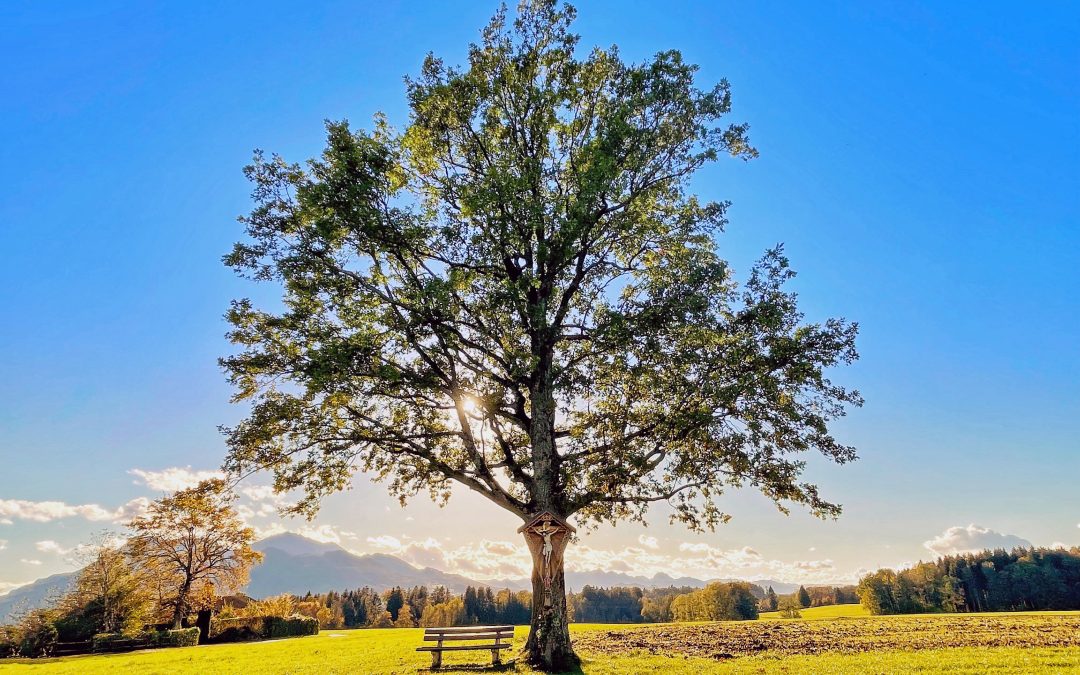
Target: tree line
column 987, row 581
column 437, row 606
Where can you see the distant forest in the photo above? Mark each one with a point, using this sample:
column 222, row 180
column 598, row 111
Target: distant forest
column 989, row 581
column 423, row 606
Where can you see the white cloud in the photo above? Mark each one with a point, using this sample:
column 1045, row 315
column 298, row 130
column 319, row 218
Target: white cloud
column 173, row 478
column 43, row 512
column 29, row 562
column 48, row 511
column 3, row 544
column 485, row 560
column 972, row 538
column 503, row 559
column 50, row 546
column 8, row 586
column 648, row 542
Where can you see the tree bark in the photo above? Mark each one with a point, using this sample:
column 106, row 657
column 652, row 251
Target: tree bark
column 181, row 605
column 548, row 647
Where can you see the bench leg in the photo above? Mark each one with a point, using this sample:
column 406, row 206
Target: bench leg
column 436, row 660
column 495, row 659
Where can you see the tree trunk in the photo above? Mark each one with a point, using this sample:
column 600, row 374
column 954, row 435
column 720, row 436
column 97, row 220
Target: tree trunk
column 548, row 647
column 181, row 605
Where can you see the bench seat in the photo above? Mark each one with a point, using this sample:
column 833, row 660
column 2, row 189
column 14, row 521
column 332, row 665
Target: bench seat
column 495, row 638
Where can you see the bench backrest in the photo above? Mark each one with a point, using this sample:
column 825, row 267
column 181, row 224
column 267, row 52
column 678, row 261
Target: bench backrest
column 496, row 633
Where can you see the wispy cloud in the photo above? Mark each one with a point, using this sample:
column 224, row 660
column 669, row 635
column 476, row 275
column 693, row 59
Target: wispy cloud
column 29, row 562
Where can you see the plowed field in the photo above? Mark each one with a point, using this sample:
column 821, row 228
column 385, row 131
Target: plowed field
column 847, row 636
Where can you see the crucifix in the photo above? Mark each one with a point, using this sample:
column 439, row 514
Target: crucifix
column 547, row 536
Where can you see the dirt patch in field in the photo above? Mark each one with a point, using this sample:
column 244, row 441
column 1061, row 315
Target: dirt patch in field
column 732, row 639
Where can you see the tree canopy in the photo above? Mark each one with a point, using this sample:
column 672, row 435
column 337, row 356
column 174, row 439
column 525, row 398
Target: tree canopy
column 519, row 293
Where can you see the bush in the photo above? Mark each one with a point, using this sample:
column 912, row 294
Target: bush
column 239, row 628
column 236, row 634
column 245, row 628
column 104, row 642
column 291, row 626
column 182, row 637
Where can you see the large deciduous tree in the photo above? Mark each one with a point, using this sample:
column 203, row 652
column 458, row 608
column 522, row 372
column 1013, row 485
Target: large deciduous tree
column 193, row 543
column 519, row 294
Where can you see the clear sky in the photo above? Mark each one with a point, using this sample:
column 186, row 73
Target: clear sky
column 921, row 162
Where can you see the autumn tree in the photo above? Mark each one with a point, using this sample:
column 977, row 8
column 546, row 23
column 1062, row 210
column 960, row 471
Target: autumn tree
column 518, row 293
column 110, row 594
column 194, row 543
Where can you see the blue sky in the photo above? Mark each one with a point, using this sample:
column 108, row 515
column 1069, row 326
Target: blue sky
column 921, row 162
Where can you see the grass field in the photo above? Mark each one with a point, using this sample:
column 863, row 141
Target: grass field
column 969, row 644
column 826, row 612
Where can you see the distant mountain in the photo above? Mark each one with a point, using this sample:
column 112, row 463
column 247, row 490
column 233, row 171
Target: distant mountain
column 296, row 564
column 578, row 580
column 34, row 595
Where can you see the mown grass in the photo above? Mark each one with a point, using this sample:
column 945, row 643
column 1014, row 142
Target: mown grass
column 393, row 651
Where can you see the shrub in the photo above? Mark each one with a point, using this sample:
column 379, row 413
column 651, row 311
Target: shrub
column 103, row 642
column 236, row 634
column 245, row 628
column 238, row 628
column 291, row 626
column 183, row 637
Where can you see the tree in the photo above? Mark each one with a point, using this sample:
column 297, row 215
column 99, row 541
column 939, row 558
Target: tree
column 194, row 542
column 789, row 608
column 803, row 597
column 518, row 294
column 109, row 595
column 771, row 602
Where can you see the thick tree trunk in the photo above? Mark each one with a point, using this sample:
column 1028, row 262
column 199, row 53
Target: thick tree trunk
column 548, row 647
column 181, row 605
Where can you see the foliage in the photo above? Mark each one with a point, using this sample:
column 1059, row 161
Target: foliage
column 789, row 608
column 803, row 597
column 194, row 544
column 253, row 627
column 111, row 594
column 1023, row 579
column 449, row 613
column 656, row 602
column 716, row 602
column 770, row 602
column 606, row 605
column 37, row 633
column 447, row 299
column 291, row 626
column 182, row 637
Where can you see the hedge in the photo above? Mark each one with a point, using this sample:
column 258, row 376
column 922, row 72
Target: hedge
column 183, row 637
column 262, row 627
column 291, row 626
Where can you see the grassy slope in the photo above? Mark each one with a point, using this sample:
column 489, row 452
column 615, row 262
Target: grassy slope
column 393, row 651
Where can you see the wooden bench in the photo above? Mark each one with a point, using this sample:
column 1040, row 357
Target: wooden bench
column 496, row 638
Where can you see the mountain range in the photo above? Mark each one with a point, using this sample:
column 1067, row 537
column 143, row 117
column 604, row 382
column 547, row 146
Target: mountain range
column 295, row 564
